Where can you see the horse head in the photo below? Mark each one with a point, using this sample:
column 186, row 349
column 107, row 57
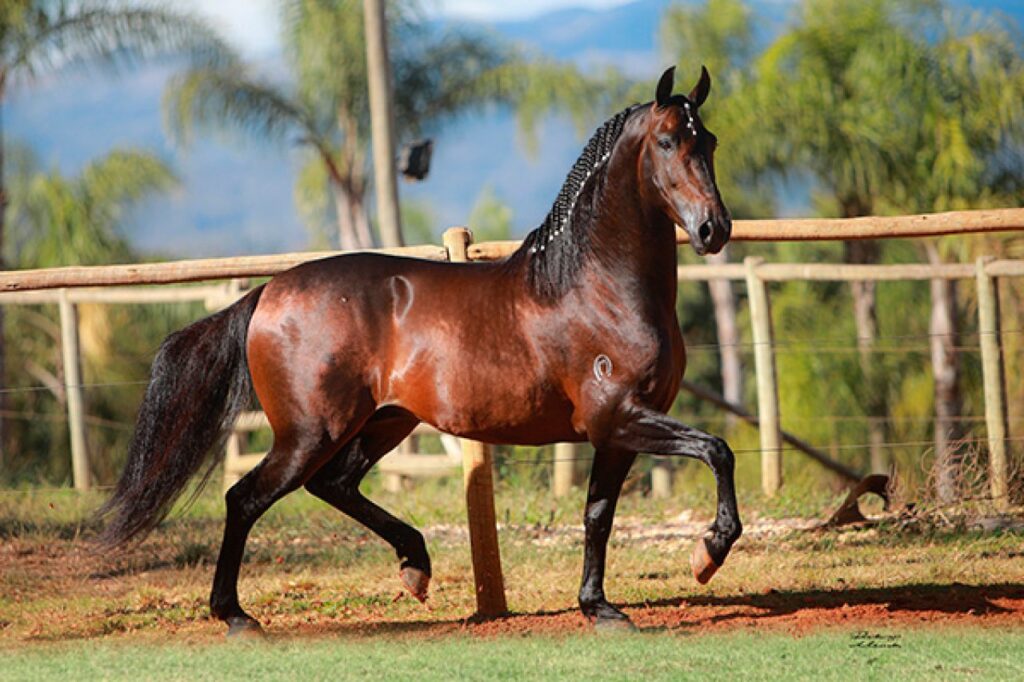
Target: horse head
column 677, row 165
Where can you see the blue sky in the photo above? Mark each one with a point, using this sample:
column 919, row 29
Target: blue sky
column 252, row 24
column 236, row 194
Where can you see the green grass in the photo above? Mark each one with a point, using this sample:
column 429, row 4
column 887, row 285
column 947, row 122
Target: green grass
column 975, row 654
column 325, row 589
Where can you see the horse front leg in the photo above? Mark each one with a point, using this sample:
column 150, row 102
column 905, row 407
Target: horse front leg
column 647, row 430
column 606, row 478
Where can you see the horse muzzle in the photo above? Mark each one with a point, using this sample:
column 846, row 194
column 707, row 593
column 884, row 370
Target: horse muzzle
column 709, row 236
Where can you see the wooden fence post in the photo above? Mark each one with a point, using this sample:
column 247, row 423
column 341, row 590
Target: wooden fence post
column 767, row 389
column 477, row 471
column 73, row 390
column 994, row 381
column 563, row 477
column 662, row 478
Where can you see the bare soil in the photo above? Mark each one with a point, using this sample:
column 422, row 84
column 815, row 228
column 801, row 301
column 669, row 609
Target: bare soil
column 782, row 577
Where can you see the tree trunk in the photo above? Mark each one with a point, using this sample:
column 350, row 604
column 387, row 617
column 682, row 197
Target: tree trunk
column 348, row 238
column 946, row 368
column 362, row 219
column 378, row 73
column 724, row 300
column 4, row 403
column 874, row 399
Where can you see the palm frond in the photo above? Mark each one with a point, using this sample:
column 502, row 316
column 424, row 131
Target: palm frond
column 114, row 33
column 231, row 99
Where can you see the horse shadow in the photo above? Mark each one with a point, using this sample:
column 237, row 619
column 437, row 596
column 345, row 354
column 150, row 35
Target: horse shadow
column 952, row 599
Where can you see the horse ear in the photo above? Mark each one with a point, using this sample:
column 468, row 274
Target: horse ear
column 702, row 88
column 664, row 91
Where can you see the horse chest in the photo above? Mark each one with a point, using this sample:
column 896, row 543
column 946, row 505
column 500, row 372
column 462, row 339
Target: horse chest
column 619, row 354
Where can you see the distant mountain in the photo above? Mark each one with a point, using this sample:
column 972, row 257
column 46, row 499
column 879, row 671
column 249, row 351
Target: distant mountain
column 237, row 198
column 626, row 35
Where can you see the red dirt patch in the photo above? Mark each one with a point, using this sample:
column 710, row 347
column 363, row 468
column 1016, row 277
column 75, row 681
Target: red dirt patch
column 798, row 613
column 58, row 590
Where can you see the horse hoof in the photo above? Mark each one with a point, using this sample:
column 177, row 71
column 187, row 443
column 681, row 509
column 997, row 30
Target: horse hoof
column 241, row 629
column 701, row 563
column 416, row 581
column 613, row 625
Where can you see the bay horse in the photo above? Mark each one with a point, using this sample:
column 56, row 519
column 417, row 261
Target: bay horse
column 575, row 335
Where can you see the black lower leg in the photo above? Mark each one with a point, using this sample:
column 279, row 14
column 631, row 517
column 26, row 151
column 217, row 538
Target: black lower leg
column 246, row 502
column 656, row 433
column 345, row 497
column 337, row 483
column 606, row 478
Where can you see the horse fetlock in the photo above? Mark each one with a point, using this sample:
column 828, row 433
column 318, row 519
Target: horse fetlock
column 225, row 606
column 600, row 611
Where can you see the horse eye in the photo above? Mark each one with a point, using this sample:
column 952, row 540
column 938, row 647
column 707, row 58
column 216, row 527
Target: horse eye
column 665, row 143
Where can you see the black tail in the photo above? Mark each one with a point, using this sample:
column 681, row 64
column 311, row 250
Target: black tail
column 198, row 385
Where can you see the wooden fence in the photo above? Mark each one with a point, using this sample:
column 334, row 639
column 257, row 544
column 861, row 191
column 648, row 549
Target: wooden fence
column 22, row 287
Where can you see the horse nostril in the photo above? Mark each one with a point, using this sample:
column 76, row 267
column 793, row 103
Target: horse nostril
column 704, row 232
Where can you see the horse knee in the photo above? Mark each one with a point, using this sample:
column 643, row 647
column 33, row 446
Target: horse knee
column 720, row 455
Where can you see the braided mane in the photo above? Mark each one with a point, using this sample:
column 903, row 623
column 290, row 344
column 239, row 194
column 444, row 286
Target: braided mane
column 555, row 250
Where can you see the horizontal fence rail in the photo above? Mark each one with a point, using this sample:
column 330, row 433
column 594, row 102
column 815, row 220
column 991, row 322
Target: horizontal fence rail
column 832, row 229
column 924, row 225
column 841, row 272
column 177, row 272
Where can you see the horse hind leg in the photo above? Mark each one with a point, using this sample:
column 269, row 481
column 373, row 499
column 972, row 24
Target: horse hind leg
column 288, row 465
column 337, row 483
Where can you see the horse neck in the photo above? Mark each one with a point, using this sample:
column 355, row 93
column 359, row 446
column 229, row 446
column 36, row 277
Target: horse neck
column 630, row 241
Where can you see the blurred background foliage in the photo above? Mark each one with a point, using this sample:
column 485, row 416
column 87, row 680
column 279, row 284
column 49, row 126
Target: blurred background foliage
column 884, row 106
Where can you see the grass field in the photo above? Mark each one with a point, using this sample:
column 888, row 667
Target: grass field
column 832, row 655
column 907, row 598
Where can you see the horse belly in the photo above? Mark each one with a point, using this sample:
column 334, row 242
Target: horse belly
column 495, row 397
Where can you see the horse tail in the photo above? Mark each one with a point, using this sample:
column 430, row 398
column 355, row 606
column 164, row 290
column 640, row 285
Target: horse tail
column 198, row 385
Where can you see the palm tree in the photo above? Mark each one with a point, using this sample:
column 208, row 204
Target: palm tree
column 58, row 220
column 896, row 106
column 437, row 74
column 40, row 36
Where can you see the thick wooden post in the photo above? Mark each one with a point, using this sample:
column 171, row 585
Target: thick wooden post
column 477, row 471
column 73, row 391
column 995, row 383
column 565, row 468
column 767, row 389
column 382, row 117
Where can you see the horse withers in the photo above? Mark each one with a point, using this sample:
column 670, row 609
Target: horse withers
column 579, row 341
